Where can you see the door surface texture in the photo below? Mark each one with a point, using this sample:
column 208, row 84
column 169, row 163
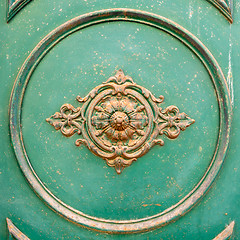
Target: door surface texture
column 119, row 119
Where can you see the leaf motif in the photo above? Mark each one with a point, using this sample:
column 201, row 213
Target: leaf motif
column 145, row 93
column 57, row 125
column 171, row 121
column 57, row 115
column 68, row 124
column 99, row 108
column 182, row 116
column 140, row 108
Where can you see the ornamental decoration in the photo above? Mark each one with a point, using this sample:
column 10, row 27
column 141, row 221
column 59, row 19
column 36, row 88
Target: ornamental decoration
column 120, row 121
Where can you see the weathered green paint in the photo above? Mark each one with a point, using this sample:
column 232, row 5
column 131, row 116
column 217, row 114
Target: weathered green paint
column 224, row 7
column 14, row 232
column 14, row 6
column 226, row 233
column 189, row 199
column 85, row 59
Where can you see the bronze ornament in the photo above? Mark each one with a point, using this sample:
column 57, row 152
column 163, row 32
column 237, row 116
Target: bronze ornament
column 120, row 121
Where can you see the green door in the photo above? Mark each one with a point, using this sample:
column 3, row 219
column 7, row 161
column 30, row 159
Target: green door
column 119, row 119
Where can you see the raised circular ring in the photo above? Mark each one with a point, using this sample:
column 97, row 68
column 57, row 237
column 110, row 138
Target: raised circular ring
column 161, row 23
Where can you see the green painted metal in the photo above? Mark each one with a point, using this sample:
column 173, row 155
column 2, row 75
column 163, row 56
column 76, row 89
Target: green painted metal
column 224, row 8
column 226, row 233
column 14, row 6
column 155, row 60
column 14, row 232
column 184, row 204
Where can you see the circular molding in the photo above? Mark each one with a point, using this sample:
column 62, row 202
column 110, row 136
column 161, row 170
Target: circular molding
column 161, row 23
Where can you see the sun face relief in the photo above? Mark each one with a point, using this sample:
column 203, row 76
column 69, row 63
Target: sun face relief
column 120, row 121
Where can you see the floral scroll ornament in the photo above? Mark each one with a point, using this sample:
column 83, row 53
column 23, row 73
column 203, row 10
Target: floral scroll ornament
column 120, row 121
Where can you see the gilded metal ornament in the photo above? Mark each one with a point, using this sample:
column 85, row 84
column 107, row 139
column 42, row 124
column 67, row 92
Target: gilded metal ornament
column 120, row 121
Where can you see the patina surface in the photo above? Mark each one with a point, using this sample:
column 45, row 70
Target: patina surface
column 223, row 98
column 160, row 45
